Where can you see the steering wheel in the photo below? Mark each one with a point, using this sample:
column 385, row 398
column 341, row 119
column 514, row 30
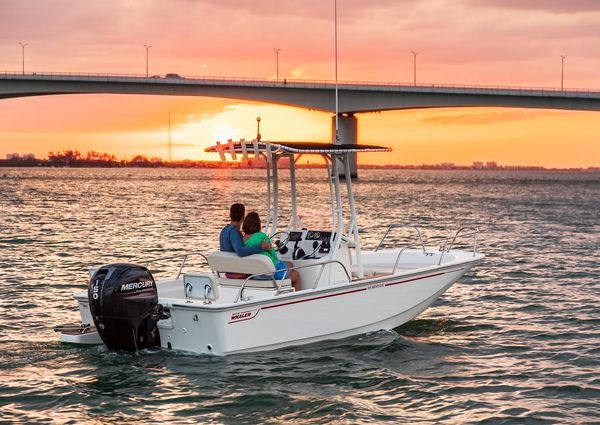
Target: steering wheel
column 280, row 240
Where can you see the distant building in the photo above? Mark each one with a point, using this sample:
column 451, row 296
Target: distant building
column 16, row 156
column 477, row 165
column 491, row 165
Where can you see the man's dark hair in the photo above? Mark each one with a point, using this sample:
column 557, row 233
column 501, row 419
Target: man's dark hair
column 237, row 212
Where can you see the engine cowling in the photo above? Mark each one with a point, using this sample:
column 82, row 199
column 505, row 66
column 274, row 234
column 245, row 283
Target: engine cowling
column 124, row 305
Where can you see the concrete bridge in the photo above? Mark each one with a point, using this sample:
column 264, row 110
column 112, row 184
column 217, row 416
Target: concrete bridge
column 354, row 97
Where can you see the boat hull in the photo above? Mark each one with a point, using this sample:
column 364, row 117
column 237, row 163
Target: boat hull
column 331, row 313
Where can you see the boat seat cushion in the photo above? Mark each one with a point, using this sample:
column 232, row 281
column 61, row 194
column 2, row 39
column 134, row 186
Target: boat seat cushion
column 229, row 262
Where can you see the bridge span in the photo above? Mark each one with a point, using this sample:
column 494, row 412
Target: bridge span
column 354, row 97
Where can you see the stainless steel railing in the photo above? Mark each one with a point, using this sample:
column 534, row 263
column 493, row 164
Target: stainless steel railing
column 464, row 231
column 397, row 226
column 189, row 79
column 398, row 258
column 183, row 257
column 446, row 245
column 278, row 285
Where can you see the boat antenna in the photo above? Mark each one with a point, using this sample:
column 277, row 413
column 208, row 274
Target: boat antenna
column 170, row 145
column 337, row 139
column 258, row 128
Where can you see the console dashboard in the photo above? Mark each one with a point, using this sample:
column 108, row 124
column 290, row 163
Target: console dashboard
column 307, row 244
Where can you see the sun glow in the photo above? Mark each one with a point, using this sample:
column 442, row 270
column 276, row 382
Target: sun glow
column 192, row 133
column 124, row 127
column 222, row 133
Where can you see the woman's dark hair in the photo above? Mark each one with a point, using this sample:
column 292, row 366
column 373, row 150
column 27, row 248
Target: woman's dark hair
column 251, row 223
column 236, row 212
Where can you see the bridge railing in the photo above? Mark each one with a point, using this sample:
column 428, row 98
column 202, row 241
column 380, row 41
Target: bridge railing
column 327, row 84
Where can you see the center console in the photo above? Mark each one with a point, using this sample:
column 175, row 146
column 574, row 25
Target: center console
column 307, row 245
column 311, row 251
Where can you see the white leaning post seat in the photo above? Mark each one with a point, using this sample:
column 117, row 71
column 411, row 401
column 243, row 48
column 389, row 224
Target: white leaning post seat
column 229, row 262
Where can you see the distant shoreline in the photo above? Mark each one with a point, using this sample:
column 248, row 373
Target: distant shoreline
column 74, row 159
column 39, row 163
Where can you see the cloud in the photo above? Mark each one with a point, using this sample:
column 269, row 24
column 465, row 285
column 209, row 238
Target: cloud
column 553, row 6
column 467, row 41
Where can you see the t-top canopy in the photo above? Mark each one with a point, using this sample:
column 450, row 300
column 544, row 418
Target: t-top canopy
column 255, row 146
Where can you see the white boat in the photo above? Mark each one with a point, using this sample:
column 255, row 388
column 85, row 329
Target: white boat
column 345, row 290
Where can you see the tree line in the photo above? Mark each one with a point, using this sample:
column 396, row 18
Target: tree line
column 74, row 158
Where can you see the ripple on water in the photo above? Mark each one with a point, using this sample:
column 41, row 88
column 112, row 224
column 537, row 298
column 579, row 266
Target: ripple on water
column 515, row 341
column 17, row 241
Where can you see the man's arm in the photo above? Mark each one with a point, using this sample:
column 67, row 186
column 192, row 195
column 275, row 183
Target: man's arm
column 238, row 245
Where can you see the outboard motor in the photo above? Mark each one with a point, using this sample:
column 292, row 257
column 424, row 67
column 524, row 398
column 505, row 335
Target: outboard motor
column 124, row 305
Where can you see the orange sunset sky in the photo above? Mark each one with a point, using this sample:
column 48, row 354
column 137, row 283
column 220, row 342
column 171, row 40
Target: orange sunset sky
column 482, row 42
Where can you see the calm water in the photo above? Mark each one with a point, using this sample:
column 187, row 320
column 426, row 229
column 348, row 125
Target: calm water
column 515, row 341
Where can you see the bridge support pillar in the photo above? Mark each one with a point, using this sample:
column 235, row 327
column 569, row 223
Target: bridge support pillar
column 347, row 135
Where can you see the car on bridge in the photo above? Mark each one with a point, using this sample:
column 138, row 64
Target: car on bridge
column 173, row 76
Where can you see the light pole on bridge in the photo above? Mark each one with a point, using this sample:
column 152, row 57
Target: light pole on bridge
column 277, row 62
column 147, row 46
column 23, row 56
column 415, row 67
column 562, row 72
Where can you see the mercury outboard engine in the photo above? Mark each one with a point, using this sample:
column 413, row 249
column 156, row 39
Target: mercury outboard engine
column 124, row 304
